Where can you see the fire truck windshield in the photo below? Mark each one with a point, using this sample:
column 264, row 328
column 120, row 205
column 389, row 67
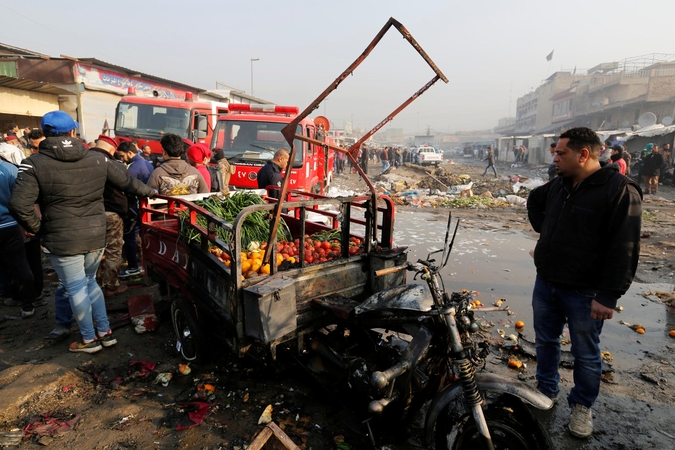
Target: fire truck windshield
column 252, row 142
column 151, row 121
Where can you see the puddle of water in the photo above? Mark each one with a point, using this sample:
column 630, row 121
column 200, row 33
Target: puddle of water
column 497, row 264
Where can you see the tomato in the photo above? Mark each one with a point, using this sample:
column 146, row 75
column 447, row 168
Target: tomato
column 284, row 256
column 317, row 244
column 296, row 242
column 315, row 255
column 353, row 250
column 292, row 252
column 326, row 245
column 309, row 259
column 322, row 259
column 321, row 252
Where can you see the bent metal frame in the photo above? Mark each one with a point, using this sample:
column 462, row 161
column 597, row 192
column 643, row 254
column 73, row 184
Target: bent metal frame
column 289, row 130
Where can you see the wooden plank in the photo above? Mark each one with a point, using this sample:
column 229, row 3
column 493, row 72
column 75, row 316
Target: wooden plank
column 262, row 440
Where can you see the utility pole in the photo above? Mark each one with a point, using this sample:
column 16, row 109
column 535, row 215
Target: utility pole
column 252, row 60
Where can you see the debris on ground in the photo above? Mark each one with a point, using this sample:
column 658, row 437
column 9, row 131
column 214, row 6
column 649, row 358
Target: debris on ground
column 276, row 434
column 54, row 424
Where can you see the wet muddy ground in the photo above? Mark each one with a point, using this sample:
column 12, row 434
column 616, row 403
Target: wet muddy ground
column 118, row 408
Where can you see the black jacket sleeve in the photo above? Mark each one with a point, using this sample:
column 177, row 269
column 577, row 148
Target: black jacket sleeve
column 24, row 196
column 121, row 179
column 623, row 246
column 536, row 206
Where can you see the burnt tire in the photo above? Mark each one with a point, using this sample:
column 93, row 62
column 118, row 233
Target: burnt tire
column 512, row 426
column 188, row 335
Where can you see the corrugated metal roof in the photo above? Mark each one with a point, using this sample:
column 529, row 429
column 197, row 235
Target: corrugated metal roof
column 30, row 85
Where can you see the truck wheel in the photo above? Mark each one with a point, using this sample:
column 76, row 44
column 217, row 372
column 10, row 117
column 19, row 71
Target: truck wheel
column 511, row 425
column 188, row 336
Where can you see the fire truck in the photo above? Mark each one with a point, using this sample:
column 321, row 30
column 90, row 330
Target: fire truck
column 147, row 119
column 250, row 135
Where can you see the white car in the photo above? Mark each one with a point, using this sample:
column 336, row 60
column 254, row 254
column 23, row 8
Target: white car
column 427, row 156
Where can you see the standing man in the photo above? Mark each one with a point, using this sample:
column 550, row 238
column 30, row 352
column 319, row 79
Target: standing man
column 270, row 174
column 617, row 158
column 67, row 181
column 652, row 169
column 175, row 176
column 384, row 157
column 116, row 207
column 34, row 138
column 13, row 262
column 140, row 169
column 490, row 158
column 588, row 219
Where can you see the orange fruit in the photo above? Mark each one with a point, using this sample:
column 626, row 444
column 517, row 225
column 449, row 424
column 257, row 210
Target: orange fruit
column 672, row 333
column 257, row 255
column 520, row 324
column 245, row 266
column 515, row 364
column 244, row 255
column 640, row 331
column 256, row 265
column 265, row 269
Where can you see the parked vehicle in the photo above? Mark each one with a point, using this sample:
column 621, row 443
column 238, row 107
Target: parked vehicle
column 206, row 279
column 388, row 347
column 427, row 155
column 147, row 119
column 410, row 344
column 250, row 135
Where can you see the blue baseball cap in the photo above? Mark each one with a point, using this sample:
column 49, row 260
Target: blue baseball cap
column 58, row 122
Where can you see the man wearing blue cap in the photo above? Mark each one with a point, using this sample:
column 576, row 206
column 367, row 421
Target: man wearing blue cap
column 67, row 181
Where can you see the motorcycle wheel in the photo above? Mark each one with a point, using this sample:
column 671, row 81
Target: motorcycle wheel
column 188, row 336
column 511, row 425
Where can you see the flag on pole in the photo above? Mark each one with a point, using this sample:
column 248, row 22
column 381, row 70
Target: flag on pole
column 550, row 56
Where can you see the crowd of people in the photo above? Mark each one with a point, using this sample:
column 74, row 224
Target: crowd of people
column 79, row 203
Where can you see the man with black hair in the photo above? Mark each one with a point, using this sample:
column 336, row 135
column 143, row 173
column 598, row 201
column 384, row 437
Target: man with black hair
column 175, row 176
column 34, row 138
column 13, row 129
column 68, row 181
column 588, row 219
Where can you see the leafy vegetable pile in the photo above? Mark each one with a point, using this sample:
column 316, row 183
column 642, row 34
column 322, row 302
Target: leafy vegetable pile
column 256, row 226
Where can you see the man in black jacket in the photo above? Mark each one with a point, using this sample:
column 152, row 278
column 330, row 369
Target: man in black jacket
column 589, row 222
column 270, row 174
column 116, row 209
column 67, row 181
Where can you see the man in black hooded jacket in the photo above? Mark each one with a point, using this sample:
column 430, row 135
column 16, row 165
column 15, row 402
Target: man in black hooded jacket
column 67, row 181
column 588, row 219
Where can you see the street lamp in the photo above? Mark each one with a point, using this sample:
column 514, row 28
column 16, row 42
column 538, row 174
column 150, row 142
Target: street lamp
column 252, row 59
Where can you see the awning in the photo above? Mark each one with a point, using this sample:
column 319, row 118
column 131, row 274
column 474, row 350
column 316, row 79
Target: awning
column 554, row 126
column 29, row 98
column 652, row 132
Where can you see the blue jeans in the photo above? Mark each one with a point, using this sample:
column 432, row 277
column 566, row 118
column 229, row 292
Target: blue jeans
column 493, row 168
column 77, row 273
column 385, row 165
column 553, row 305
column 64, row 313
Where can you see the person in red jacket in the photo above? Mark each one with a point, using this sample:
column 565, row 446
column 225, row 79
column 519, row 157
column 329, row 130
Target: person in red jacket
column 617, row 158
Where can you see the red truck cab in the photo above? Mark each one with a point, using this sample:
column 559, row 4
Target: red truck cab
column 147, row 119
column 250, row 135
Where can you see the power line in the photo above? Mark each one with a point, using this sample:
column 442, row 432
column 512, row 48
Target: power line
column 28, row 18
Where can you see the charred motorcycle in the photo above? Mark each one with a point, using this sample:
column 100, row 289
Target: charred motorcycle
column 415, row 346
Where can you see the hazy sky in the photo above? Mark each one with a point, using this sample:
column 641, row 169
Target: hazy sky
column 491, row 51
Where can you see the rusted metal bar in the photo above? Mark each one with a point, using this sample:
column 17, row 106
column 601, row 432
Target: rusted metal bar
column 289, row 130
